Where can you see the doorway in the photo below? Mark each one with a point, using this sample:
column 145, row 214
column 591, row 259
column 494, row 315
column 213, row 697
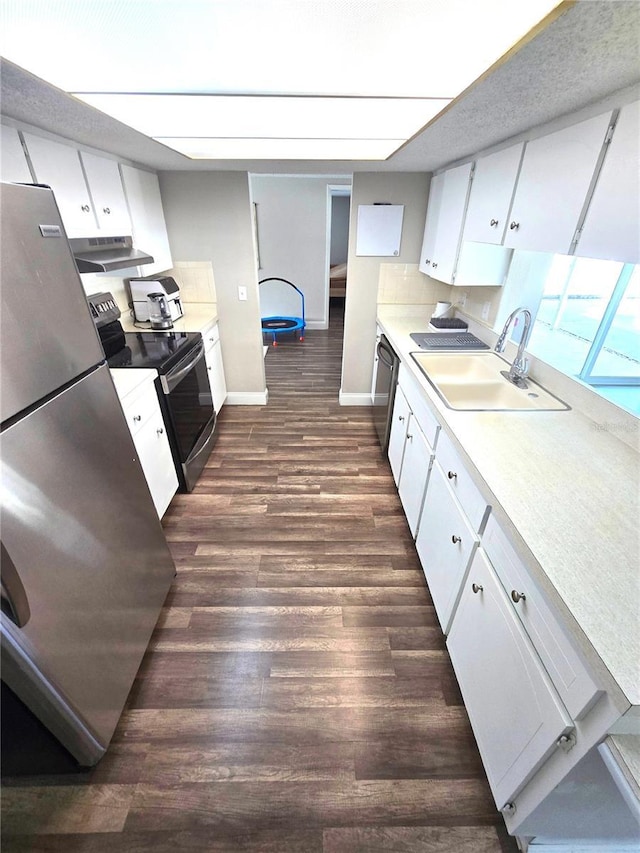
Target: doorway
column 338, row 210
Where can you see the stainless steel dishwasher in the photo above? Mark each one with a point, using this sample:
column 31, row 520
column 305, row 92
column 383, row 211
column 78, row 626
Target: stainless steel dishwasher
column 384, row 390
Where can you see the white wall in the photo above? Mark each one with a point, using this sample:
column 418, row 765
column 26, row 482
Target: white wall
column 407, row 188
column 292, row 217
column 208, row 216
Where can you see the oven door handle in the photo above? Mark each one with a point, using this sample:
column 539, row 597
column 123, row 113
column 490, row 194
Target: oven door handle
column 175, row 375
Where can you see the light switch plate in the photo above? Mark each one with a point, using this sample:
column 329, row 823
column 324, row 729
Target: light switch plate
column 242, row 294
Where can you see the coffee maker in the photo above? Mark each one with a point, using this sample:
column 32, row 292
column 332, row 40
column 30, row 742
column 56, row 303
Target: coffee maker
column 142, row 288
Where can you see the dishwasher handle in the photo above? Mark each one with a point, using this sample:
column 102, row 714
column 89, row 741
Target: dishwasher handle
column 383, row 349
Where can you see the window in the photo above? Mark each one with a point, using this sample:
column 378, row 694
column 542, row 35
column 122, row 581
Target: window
column 588, row 325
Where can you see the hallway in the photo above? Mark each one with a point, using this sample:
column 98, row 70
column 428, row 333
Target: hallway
column 297, row 696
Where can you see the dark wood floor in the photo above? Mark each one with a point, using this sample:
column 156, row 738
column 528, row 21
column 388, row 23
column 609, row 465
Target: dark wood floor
column 297, row 696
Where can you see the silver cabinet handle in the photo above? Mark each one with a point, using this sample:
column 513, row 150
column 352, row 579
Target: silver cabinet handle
column 137, row 417
column 106, row 210
column 455, row 539
column 427, row 262
column 160, row 431
column 493, row 222
column 518, row 596
column 85, row 208
column 476, row 587
column 514, row 226
column 434, row 265
column 451, row 475
column 409, row 437
column 401, row 418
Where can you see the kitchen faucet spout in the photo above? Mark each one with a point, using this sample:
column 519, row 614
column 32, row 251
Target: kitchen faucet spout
column 517, row 374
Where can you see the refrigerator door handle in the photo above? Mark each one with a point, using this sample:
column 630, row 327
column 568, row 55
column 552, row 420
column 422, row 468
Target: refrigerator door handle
column 14, row 597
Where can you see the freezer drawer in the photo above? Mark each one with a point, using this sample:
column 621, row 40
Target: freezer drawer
column 81, row 530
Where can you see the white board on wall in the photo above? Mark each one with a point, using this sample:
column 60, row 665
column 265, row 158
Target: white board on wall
column 379, row 229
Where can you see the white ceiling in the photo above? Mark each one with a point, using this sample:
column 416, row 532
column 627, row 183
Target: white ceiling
column 589, row 51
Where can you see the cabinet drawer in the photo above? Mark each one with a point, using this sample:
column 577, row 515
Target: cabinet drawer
column 461, row 483
column 211, row 336
column 569, row 675
column 417, row 403
column 138, row 410
column 445, row 544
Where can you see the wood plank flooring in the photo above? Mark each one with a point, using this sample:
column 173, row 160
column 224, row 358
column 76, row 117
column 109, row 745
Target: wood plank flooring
column 297, row 694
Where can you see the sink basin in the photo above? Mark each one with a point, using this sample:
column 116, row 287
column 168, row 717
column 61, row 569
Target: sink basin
column 473, row 382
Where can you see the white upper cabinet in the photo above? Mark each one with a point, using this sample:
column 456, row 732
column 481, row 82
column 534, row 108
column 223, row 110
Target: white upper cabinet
column 13, row 164
column 611, row 229
column 443, row 227
column 431, row 224
column 142, row 191
column 494, row 182
column 105, row 184
column 59, row 167
column 552, row 189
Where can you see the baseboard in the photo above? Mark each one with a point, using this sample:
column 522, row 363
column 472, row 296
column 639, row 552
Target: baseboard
column 247, row 398
column 354, row 399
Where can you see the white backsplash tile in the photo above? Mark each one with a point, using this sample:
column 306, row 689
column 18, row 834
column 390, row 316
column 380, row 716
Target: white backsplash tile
column 195, row 280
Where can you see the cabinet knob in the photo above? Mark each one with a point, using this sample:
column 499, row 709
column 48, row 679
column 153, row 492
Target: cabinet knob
column 455, row 539
column 514, row 226
column 208, row 368
column 518, row 596
column 409, row 437
column 137, row 417
column 427, row 261
column 451, row 475
column 160, row 431
column 85, row 208
column 508, row 808
column 106, row 210
column 212, row 340
column 476, row 587
column 401, row 418
column 434, row 265
column 493, row 222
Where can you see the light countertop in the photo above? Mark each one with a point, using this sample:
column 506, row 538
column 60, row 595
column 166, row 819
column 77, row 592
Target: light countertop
column 126, row 381
column 568, row 492
column 198, row 316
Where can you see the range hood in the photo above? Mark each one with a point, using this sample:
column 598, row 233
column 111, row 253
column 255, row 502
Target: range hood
column 103, row 254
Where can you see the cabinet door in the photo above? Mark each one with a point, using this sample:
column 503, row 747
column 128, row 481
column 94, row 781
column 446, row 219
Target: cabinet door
column 110, row 204
column 414, row 473
column 398, row 434
column 452, row 209
column 445, row 545
column 612, row 226
column 157, row 462
column 494, row 182
column 142, row 191
column 59, row 166
column 431, row 225
column 215, row 369
column 516, row 715
column 556, row 173
column 13, row 164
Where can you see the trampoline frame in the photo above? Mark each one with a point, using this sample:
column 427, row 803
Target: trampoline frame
column 293, row 324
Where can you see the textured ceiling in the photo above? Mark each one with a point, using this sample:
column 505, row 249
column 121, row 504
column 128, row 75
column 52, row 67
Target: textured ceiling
column 590, row 51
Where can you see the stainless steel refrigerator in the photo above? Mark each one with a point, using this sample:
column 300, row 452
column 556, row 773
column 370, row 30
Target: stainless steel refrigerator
column 85, row 565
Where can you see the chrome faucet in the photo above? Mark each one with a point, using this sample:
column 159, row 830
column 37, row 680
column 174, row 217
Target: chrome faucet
column 517, row 374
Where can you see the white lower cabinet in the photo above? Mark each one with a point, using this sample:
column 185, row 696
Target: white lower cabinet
column 139, row 401
column 516, row 714
column 398, row 433
column 215, row 366
column 445, row 543
column 416, row 465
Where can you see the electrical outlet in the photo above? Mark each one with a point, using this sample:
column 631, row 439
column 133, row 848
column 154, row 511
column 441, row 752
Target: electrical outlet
column 485, row 310
column 463, row 299
column 242, row 294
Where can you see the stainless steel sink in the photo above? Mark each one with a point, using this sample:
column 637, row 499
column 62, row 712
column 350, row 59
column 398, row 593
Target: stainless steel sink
column 473, row 382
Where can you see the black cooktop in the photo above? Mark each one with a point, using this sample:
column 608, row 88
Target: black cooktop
column 158, row 350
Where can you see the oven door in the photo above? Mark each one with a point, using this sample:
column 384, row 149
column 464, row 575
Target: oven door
column 189, row 414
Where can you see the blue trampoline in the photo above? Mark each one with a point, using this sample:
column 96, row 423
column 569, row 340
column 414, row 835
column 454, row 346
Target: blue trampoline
column 278, row 325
